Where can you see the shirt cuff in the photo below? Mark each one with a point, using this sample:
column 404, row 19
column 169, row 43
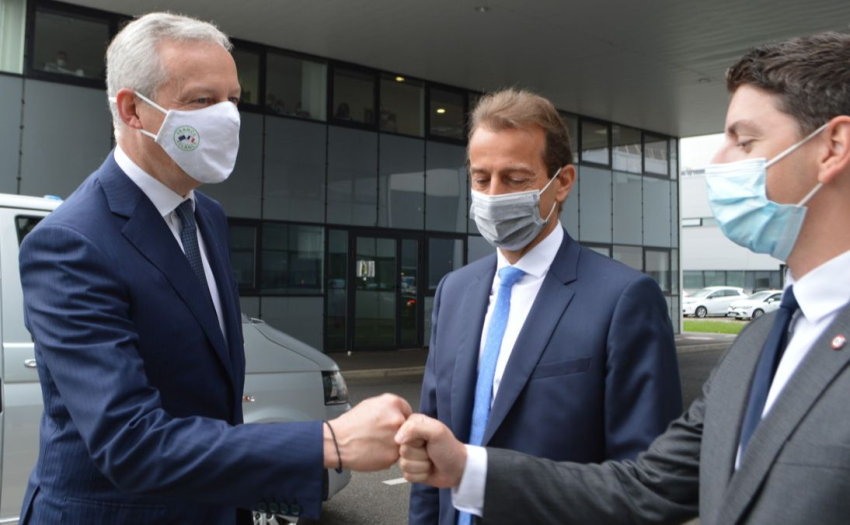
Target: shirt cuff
column 469, row 495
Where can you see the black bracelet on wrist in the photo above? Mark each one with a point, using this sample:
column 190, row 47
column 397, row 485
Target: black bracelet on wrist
column 336, row 446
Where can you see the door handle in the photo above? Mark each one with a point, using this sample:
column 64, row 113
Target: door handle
column 30, row 363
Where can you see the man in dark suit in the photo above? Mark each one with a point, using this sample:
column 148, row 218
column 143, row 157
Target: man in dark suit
column 769, row 439
column 571, row 356
column 132, row 304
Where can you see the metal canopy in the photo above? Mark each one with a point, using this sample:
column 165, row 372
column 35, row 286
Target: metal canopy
column 654, row 64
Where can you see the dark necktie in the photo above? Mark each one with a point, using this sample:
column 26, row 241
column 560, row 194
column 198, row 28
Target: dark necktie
column 189, row 237
column 771, row 354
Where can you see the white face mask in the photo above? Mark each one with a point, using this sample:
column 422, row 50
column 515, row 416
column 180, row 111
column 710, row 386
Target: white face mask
column 203, row 142
column 510, row 221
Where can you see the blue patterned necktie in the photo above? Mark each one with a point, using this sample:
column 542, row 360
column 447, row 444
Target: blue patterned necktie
column 189, row 238
column 771, row 354
column 508, row 276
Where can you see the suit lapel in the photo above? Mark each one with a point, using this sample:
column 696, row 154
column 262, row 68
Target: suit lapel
column 547, row 310
column 475, row 302
column 814, row 375
column 149, row 233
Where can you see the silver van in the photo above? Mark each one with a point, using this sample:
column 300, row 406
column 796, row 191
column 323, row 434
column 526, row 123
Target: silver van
column 285, row 379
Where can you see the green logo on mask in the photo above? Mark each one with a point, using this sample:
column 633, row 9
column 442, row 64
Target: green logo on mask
column 187, row 138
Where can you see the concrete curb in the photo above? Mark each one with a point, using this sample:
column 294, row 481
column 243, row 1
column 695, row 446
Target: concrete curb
column 709, row 347
column 383, row 372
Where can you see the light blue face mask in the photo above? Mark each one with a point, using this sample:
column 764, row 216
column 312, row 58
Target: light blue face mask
column 737, row 194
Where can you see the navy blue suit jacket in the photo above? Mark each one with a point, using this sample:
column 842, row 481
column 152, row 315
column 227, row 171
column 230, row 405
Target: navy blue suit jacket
column 142, row 390
column 592, row 376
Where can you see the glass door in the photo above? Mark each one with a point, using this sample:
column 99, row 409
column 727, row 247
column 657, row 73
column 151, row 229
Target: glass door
column 375, row 279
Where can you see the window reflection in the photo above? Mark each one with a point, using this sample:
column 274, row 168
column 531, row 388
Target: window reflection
column 70, row 45
column 296, row 87
column 594, row 142
column 248, row 68
column 447, row 114
column 656, row 155
column 627, row 149
column 402, row 106
column 354, row 96
column 292, row 259
column 243, row 254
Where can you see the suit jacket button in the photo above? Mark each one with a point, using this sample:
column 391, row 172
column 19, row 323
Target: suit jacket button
column 262, row 506
column 294, row 509
column 273, row 508
column 284, row 508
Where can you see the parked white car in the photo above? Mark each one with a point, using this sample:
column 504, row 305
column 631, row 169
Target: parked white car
column 714, row 300
column 755, row 305
column 285, row 379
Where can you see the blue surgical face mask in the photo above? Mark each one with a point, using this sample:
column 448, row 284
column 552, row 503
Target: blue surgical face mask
column 737, row 194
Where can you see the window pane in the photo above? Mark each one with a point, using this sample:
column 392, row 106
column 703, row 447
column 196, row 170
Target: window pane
column 658, row 267
column 296, row 87
column 630, row 256
column 627, row 149
column 656, row 155
column 674, row 266
column 656, row 212
column 295, row 162
column 444, row 256
column 70, row 45
column 401, row 183
column 692, row 281
column 595, row 205
column 354, row 96
column 594, row 142
column 628, row 228
column 674, row 159
column 335, row 318
column 690, row 223
column 13, row 16
column 477, row 248
column 248, row 68
column 735, row 279
column 447, row 114
column 445, row 188
column 402, row 106
column 571, row 121
column 714, row 278
column 243, row 254
column 292, row 259
column 601, row 250
column 352, row 176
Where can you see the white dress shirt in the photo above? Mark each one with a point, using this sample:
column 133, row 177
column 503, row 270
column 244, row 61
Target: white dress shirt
column 820, row 294
column 166, row 202
column 536, row 265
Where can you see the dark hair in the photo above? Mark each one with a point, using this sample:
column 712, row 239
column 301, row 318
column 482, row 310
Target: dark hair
column 811, row 76
column 512, row 108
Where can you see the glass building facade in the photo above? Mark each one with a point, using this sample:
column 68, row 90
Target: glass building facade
column 350, row 197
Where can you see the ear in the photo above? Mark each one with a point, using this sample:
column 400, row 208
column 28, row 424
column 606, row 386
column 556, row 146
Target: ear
column 128, row 108
column 836, row 158
column 566, row 179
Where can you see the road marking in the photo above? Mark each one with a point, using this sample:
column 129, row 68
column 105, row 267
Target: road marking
column 692, row 338
column 397, row 481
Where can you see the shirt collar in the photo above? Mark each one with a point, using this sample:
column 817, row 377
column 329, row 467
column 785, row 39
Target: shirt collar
column 163, row 198
column 538, row 260
column 823, row 290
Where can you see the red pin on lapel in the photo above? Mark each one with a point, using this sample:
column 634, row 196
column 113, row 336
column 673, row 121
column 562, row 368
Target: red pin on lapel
column 838, row 342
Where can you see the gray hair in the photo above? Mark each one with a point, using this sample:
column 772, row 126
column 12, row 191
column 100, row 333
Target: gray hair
column 133, row 61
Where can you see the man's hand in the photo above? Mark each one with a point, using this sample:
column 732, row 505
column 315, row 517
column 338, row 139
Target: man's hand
column 365, row 434
column 430, row 454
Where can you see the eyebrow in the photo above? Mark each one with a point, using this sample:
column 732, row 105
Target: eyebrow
column 742, row 126
column 505, row 171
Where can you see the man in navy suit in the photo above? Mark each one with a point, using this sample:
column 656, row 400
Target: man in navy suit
column 130, row 298
column 544, row 347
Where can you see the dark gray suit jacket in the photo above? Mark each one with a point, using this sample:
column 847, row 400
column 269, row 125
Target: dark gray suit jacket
column 796, row 468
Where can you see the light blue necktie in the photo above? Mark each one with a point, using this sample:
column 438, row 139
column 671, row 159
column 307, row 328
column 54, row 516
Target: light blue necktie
column 508, row 276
